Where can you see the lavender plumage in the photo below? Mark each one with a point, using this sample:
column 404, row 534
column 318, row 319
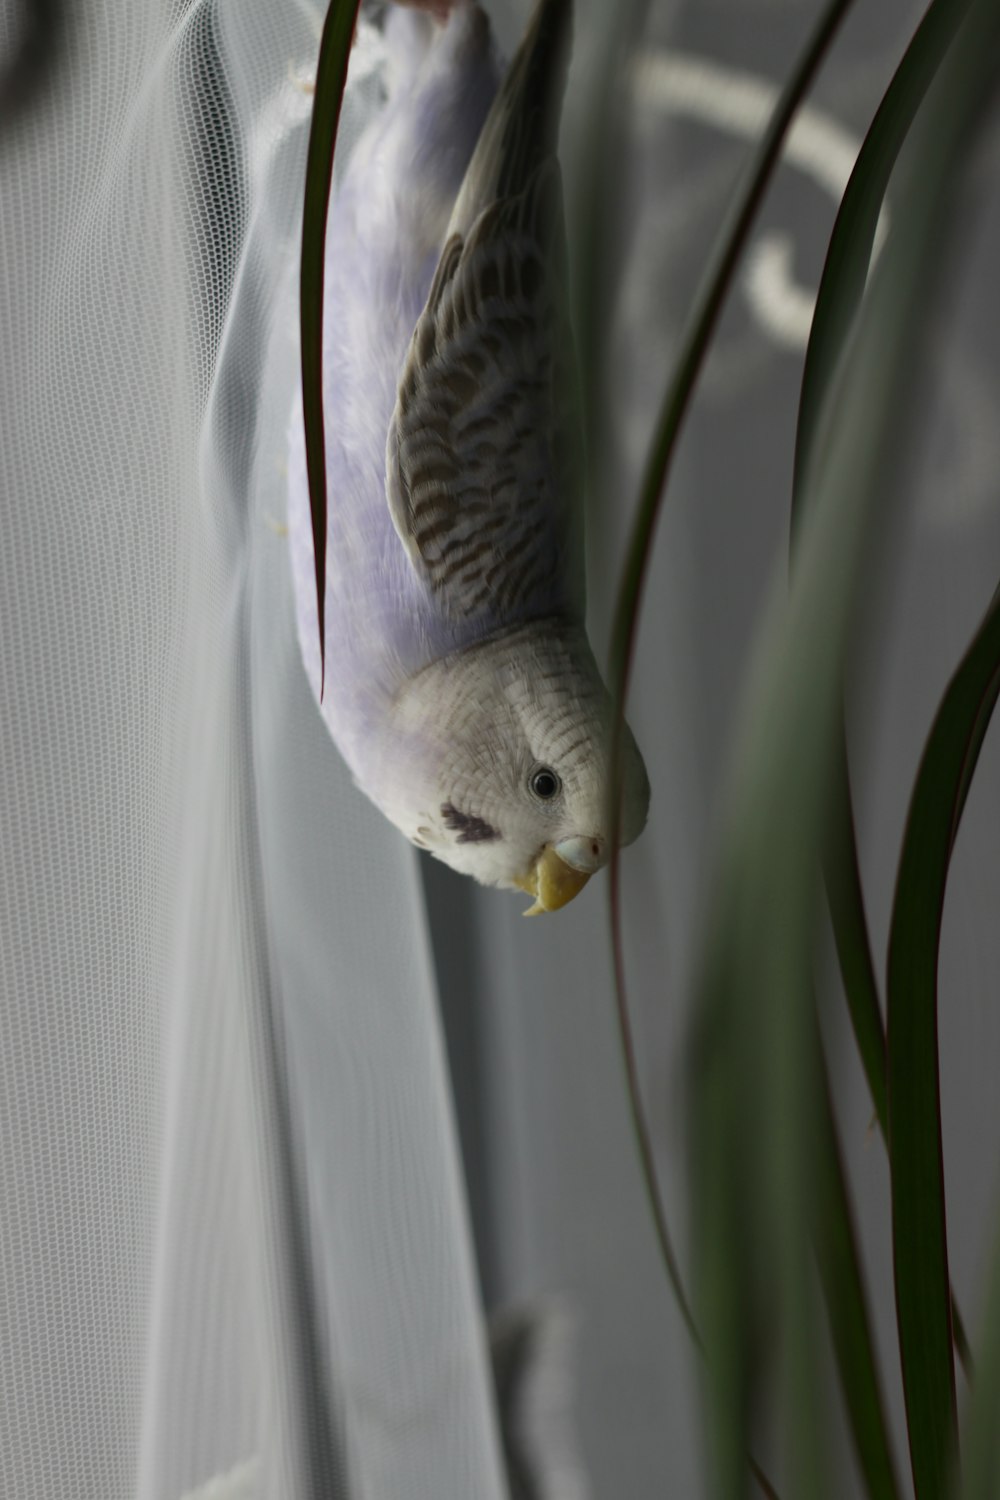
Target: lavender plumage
column 461, row 688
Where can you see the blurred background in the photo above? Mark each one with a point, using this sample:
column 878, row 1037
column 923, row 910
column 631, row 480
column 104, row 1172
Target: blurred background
column 285, row 1108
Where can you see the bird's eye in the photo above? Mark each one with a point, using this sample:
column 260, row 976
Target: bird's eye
column 544, row 783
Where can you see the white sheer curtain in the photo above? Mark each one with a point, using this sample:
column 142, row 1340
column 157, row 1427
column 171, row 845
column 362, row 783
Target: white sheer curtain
column 234, row 1242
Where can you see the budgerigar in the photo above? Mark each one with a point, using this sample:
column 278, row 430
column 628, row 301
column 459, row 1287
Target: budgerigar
column 460, row 685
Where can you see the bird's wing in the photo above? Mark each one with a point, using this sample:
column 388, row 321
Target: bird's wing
column 483, row 458
column 482, row 462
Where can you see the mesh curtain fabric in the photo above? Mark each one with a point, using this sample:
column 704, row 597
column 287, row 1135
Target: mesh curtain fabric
column 195, row 906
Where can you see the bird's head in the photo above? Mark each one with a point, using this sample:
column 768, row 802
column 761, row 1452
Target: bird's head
column 498, row 764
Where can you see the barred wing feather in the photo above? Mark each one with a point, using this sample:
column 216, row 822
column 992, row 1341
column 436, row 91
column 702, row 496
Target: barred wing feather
column 483, row 452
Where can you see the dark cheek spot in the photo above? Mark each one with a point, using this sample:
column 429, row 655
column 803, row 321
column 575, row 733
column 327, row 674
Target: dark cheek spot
column 470, row 830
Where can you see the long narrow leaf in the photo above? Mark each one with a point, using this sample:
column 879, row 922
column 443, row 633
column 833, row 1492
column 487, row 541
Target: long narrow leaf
column 600, row 195
column 754, row 1105
column 840, row 291
column 848, row 256
column 331, row 76
column 705, row 312
column 708, row 305
column 980, row 1478
column 839, row 296
column 598, row 205
column 850, row 1325
column 845, row 895
column 916, row 1161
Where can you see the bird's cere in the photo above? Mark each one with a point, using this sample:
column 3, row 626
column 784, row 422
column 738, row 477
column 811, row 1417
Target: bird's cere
column 584, row 854
column 461, row 688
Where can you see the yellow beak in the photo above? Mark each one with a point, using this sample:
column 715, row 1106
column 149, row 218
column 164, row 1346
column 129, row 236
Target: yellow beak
column 552, row 882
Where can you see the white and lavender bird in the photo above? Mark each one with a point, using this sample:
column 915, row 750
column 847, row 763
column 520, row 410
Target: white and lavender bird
column 460, row 687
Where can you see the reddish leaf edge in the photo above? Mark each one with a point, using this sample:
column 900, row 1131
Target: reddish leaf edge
column 729, row 246
column 707, row 307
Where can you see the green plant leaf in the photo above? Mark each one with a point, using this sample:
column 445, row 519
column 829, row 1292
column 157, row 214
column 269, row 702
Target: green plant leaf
column 709, row 299
column 848, row 256
column 840, row 291
column 729, row 246
column 850, row 1327
column 920, row 1253
column 331, row 76
column 694, row 345
column 756, row 1125
column 980, row 1478
column 850, row 931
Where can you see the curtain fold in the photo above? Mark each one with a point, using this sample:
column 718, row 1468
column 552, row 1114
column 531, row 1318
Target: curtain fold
column 235, row 1250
